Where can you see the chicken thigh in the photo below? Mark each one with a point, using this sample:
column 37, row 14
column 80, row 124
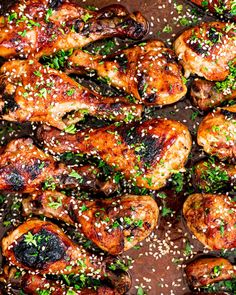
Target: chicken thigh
column 208, row 94
column 214, row 176
column 207, row 49
column 205, row 271
column 212, row 219
column 217, row 133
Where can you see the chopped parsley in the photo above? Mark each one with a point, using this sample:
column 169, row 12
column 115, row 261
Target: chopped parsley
column 167, row 29
column 86, row 17
column 22, row 34
column 70, row 129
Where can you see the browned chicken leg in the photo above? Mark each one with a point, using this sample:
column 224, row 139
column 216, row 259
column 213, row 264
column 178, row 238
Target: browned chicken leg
column 38, row 94
column 146, row 153
column 212, row 219
column 225, row 8
column 43, row 247
column 217, row 133
column 32, row 284
column 207, row 49
column 208, row 94
column 36, row 284
column 42, row 27
column 213, row 176
column 114, row 225
column 205, row 271
column 25, row 168
column 148, row 71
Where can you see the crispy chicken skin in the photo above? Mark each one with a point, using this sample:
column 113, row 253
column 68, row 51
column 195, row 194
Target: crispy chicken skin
column 148, row 71
column 220, row 7
column 213, row 176
column 115, row 225
column 211, row 218
column 42, row 27
column 217, row 133
column 25, row 168
column 42, row 246
column 207, row 49
column 205, row 94
column 38, row 94
column 146, row 153
column 204, row 271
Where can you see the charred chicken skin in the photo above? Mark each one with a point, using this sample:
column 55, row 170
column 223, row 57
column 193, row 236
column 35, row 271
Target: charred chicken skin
column 212, row 218
column 146, row 153
column 38, row 94
column 205, row 271
column 25, row 168
column 217, row 133
column 206, row 50
column 208, row 94
column 148, row 71
column 42, row 27
column 43, row 247
column 115, row 225
column 225, row 8
column 213, row 176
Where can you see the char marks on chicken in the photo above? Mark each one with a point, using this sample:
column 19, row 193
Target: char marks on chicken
column 148, row 71
column 146, row 153
column 42, row 246
column 37, row 28
column 25, row 168
column 207, row 49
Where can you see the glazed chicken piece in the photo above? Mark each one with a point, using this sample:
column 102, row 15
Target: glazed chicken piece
column 217, row 133
column 208, row 94
column 42, row 27
column 42, row 247
column 146, row 153
column 206, row 50
column 114, row 225
column 205, row 271
column 38, row 94
column 212, row 218
column 33, row 284
column 224, row 8
column 148, row 71
column 213, row 176
column 25, row 168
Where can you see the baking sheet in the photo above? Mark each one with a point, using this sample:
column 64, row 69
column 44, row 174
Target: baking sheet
column 158, row 264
